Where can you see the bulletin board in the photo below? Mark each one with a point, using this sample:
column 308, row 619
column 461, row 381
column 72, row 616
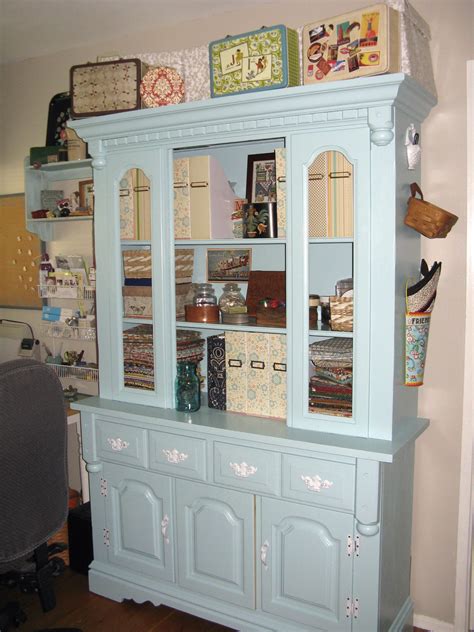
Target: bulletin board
column 20, row 255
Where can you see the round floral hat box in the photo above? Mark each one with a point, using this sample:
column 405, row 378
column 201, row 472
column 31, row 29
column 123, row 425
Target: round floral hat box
column 161, row 86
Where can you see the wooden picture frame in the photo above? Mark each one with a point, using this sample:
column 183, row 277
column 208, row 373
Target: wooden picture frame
column 228, row 264
column 261, row 178
column 86, row 195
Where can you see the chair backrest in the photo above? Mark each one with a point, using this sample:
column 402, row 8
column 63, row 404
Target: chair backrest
column 33, row 457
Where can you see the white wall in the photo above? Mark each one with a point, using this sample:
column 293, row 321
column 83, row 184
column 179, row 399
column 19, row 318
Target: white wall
column 28, row 87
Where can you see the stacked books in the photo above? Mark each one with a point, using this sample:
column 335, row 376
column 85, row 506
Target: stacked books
column 189, row 346
column 138, row 361
column 330, row 385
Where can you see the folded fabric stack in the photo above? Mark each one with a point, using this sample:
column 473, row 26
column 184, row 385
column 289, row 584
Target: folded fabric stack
column 189, row 346
column 138, row 363
column 330, row 385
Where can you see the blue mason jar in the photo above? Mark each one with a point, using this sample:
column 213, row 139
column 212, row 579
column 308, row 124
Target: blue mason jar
column 187, row 388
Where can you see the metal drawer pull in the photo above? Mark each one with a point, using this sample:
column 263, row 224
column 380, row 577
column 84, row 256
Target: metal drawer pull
column 180, row 185
column 243, row 470
column 315, row 176
column 199, row 185
column 263, row 554
column 164, row 528
column 173, row 456
column 339, row 174
column 316, row 483
column 118, row 444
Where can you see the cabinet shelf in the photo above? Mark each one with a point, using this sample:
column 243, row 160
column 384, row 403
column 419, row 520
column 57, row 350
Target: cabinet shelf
column 138, row 321
column 86, row 373
column 226, row 327
column 331, row 240
column 229, row 242
column 67, row 165
column 324, row 331
column 48, row 220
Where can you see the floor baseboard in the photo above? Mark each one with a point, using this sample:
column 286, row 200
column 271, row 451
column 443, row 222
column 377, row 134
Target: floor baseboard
column 433, row 625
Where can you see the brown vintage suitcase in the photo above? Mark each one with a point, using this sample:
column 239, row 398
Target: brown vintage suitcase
column 106, row 87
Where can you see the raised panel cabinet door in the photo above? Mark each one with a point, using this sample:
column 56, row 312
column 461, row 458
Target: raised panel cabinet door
column 306, row 572
column 139, row 521
column 216, row 542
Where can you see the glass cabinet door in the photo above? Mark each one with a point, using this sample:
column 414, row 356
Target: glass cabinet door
column 332, row 281
column 137, row 288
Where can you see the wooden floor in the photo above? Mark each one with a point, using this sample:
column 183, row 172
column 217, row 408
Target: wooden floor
column 77, row 607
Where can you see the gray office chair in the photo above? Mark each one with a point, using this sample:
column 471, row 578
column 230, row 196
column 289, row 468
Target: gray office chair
column 33, row 479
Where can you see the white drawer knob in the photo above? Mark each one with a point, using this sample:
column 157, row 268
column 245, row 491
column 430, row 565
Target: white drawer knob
column 316, row 483
column 173, row 456
column 118, row 444
column 243, row 470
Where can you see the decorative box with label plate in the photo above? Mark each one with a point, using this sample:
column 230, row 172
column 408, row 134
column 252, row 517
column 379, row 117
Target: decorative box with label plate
column 363, row 42
column 258, row 60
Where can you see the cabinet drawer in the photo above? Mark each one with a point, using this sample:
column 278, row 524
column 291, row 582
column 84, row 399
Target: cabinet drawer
column 318, row 481
column 247, row 468
column 120, row 443
column 178, row 454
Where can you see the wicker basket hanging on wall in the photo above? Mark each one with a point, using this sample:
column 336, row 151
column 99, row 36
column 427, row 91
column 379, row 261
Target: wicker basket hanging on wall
column 426, row 218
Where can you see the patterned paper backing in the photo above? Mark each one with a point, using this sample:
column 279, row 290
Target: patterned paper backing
column 278, row 377
column 280, row 159
column 317, row 197
column 216, row 372
column 254, row 390
column 236, row 376
column 258, row 374
column 330, row 196
column 135, row 206
column 182, row 200
column 127, row 211
column 161, row 86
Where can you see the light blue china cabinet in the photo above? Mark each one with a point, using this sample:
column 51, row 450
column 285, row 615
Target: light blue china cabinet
column 260, row 523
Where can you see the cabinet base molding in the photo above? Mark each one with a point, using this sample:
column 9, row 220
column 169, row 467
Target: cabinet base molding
column 116, row 584
column 428, row 623
column 404, row 619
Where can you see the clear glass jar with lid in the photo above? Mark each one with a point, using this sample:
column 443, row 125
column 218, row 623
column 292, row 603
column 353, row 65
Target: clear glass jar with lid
column 231, row 297
column 204, row 294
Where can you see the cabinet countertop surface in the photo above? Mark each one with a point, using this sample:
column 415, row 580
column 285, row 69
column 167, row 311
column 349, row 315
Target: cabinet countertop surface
column 260, row 429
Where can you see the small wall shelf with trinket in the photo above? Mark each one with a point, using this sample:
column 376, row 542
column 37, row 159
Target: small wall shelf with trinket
column 71, row 181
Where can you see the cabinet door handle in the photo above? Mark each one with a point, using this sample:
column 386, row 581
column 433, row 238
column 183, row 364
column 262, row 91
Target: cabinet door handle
column 164, row 528
column 118, row 444
column 316, row 483
column 243, row 470
column 263, row 554
column 174, row 456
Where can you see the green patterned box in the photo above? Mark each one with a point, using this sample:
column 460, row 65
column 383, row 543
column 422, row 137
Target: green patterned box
column 258, row 60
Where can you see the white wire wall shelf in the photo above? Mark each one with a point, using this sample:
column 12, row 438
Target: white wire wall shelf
column 88, row 374
column 70, row 332
column 55, row 291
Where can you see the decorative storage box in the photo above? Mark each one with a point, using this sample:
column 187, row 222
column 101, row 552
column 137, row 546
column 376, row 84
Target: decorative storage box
column 342, row 313
column 137, row 264
column 106, row 87
column 264, row 284
column 137, row 301
column 161, row 86
column 184, row 295
column 183, row 265
column 203, row 199
column 258, row 60
column 360, row 43
column 256, row 373
column 216, row 373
